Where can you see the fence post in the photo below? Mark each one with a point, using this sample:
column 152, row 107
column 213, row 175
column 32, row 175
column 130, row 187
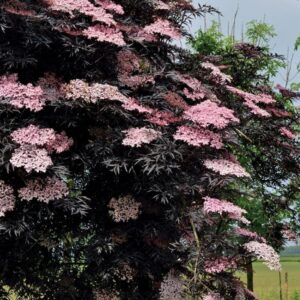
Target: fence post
column 286, row 285
column 280, row 288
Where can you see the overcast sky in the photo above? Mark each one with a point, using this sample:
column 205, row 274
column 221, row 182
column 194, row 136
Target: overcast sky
column 284, row 15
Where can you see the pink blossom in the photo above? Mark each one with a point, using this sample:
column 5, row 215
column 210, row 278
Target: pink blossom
column 216, row 73
column 197, row 90
column 209, row 113
column 248, row 233
column 104, row 34
column 252, row 100
column 171, row 288
column 44, row 189
column 50, row 85
column 213, row 205
column 60, row 143
column 20, row 95
column 212, row 297
column 219, row 265
column 163, row 27
column 33, row 135
column 132, row 104
column 7, row 198
column 105, row 295
column 31, row 158
column 226, row 167
column 162, row 118
column 198, row 137
column 124, row 209
column 18, row 8
column 82, row 6
column 264, row 252
column 135, row 137
column 79, row 89
column 286, row 132
column 111, row 6
column 175, row 100
column 129, row 64
column 160, row 5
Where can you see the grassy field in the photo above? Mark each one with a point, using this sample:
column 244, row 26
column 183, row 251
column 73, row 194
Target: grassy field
column 266, row 283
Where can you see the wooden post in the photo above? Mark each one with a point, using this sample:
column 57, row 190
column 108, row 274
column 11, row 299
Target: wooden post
column 286, row 286
column 280, row 288
column 250, row 283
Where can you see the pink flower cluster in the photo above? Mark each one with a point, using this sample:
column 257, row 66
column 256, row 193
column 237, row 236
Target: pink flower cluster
column 104, row 34
column 34, row 135
column 163, row 27
column 135, row 137
column 79, row 89
column 248, row 233
column 31, row 158
column 105, row 295
column 7, row 198
column 175, row 100
column 219, row 265
column 132, row 104
column 197, row 90
column 196, row 136
column 160, row 5
column 212, row 297
column 129, row 64
column 124, row 209
column 110, row 6
column 50, row 85
column 18, row 8
column 20, row 95
column 162, row 118
column 213, row 205
column 252, row 100
column 226, row 167
column 209, row 113
column 82, row 6
column 264, row 252
column 44, row 189
column 31, row 155
column 216, row 74
column 171, row 288
column 286, row 132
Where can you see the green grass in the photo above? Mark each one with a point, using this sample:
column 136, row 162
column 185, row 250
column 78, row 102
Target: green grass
column 266, row 282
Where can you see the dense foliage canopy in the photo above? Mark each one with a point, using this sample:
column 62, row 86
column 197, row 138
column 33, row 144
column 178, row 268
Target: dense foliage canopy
column 120, row 154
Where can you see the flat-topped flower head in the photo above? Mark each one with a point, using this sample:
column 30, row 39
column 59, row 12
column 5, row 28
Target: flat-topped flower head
column 171, row 288
column 266, row 253
column 221, row 207
column 208, row 113
column 7, row 198
column 196, row 136
column 123, row 209
column 164, row 28
column 136, row 137
column 31, row 158
column 44, row 189
column 21, row 95
column 226, row 167
column 103, row 33
column 84, row 7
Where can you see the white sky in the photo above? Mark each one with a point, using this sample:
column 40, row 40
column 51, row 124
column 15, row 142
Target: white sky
column 284, row 15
